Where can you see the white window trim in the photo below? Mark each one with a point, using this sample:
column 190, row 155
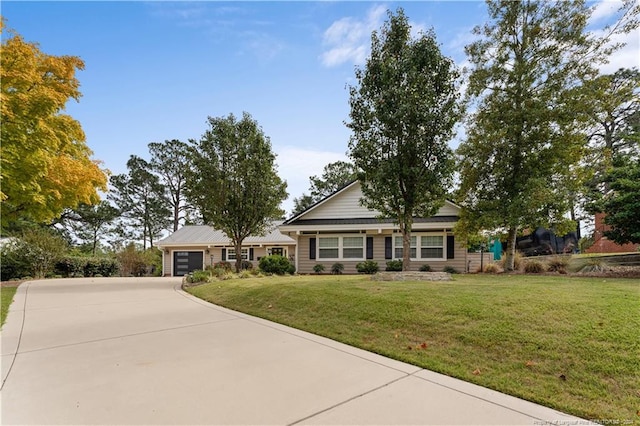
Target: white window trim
column 418, row 247
column 341, row 247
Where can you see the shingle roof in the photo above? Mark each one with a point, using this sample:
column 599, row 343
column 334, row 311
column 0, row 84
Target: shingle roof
column 204, row 234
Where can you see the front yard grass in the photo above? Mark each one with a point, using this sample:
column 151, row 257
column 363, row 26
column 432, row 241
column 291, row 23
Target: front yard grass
column 569, row 343
column 6, row 297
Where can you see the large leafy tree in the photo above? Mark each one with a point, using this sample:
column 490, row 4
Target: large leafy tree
column 233, row 179
column 334, row 176
column 170, row 161
column 46, row 164
column 142, row 201
column 403, row 111
column 526, row 136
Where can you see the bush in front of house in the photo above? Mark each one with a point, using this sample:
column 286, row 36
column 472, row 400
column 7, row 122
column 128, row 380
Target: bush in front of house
column 337, row 268
column 318, row 268
column 394, row 266
column 367, row 267
column 276, row 264
column 450, row 270
column 198, row 276
column 224, row 265
column 425, row 268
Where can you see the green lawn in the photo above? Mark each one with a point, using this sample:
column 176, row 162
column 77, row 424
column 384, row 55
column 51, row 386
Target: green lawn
column 6, row 294
column 568, row 343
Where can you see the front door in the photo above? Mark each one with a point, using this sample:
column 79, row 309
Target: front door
column 186, row 261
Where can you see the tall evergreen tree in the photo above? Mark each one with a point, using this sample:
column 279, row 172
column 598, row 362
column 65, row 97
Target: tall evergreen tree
column 170, row 161
column 142, row 200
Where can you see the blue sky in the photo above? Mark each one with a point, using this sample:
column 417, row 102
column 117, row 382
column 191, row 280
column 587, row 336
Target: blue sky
column 157, row 70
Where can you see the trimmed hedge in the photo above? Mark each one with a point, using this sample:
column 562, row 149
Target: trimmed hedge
column 81, row 266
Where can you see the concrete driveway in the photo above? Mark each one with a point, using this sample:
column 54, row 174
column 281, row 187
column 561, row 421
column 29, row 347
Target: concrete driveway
column 141, row 351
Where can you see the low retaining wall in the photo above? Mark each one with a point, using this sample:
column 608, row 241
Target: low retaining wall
column 411, row 276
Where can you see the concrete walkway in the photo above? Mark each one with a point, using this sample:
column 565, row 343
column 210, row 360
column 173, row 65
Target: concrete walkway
column 141, row 351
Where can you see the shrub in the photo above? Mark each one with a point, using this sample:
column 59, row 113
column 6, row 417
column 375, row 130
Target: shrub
column 450, row 269
column 558, row 264
column 367, row 267
column 594, row 265
column 394, row 265
column 76, row 266
column 133, row 262
column 223, row 265
column 219, row 272
column 198, row 277
column 318, row 268
column 337, row 268
column 276, row 264
column 35, row 253
column 425, row 268
column 492, row 268
column 245, row 264
column 534, row 266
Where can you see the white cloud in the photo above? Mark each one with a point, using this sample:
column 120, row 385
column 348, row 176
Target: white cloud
column 626, row 57
column 348, row 39
column 296, row 165
column 604, row 10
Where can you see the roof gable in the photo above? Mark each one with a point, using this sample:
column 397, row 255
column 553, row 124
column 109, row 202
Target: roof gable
column 345, row 204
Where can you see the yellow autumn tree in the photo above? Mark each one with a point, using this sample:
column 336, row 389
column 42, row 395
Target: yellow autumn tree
column 46, row 165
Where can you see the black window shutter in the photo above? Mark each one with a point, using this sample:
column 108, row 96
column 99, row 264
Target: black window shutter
column 388, row 248
column 369, row 247
column 312, row 248
column 224, row 254
column 250, row 253
column 450, row 247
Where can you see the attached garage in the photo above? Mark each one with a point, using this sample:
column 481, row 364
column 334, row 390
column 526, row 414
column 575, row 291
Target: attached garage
column 187, row 261
column 199, row 246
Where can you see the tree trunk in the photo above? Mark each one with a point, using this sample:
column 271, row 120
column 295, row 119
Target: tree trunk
column 95, row 242
column 238, row 247
column 405, row 228
column 511, row 249
column 176, row 213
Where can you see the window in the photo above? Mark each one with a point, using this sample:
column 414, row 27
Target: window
column 329, row 248
column 341, row 247
column 352, row 247
column 231, row 254
column 431, row 246
column 398, row 248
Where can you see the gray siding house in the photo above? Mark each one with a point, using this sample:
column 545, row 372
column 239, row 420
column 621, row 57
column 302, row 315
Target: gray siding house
column 196, row 247
column 338, row 229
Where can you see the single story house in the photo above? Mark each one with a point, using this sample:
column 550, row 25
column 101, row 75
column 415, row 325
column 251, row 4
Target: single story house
column 198, row 246
column 338, row 229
